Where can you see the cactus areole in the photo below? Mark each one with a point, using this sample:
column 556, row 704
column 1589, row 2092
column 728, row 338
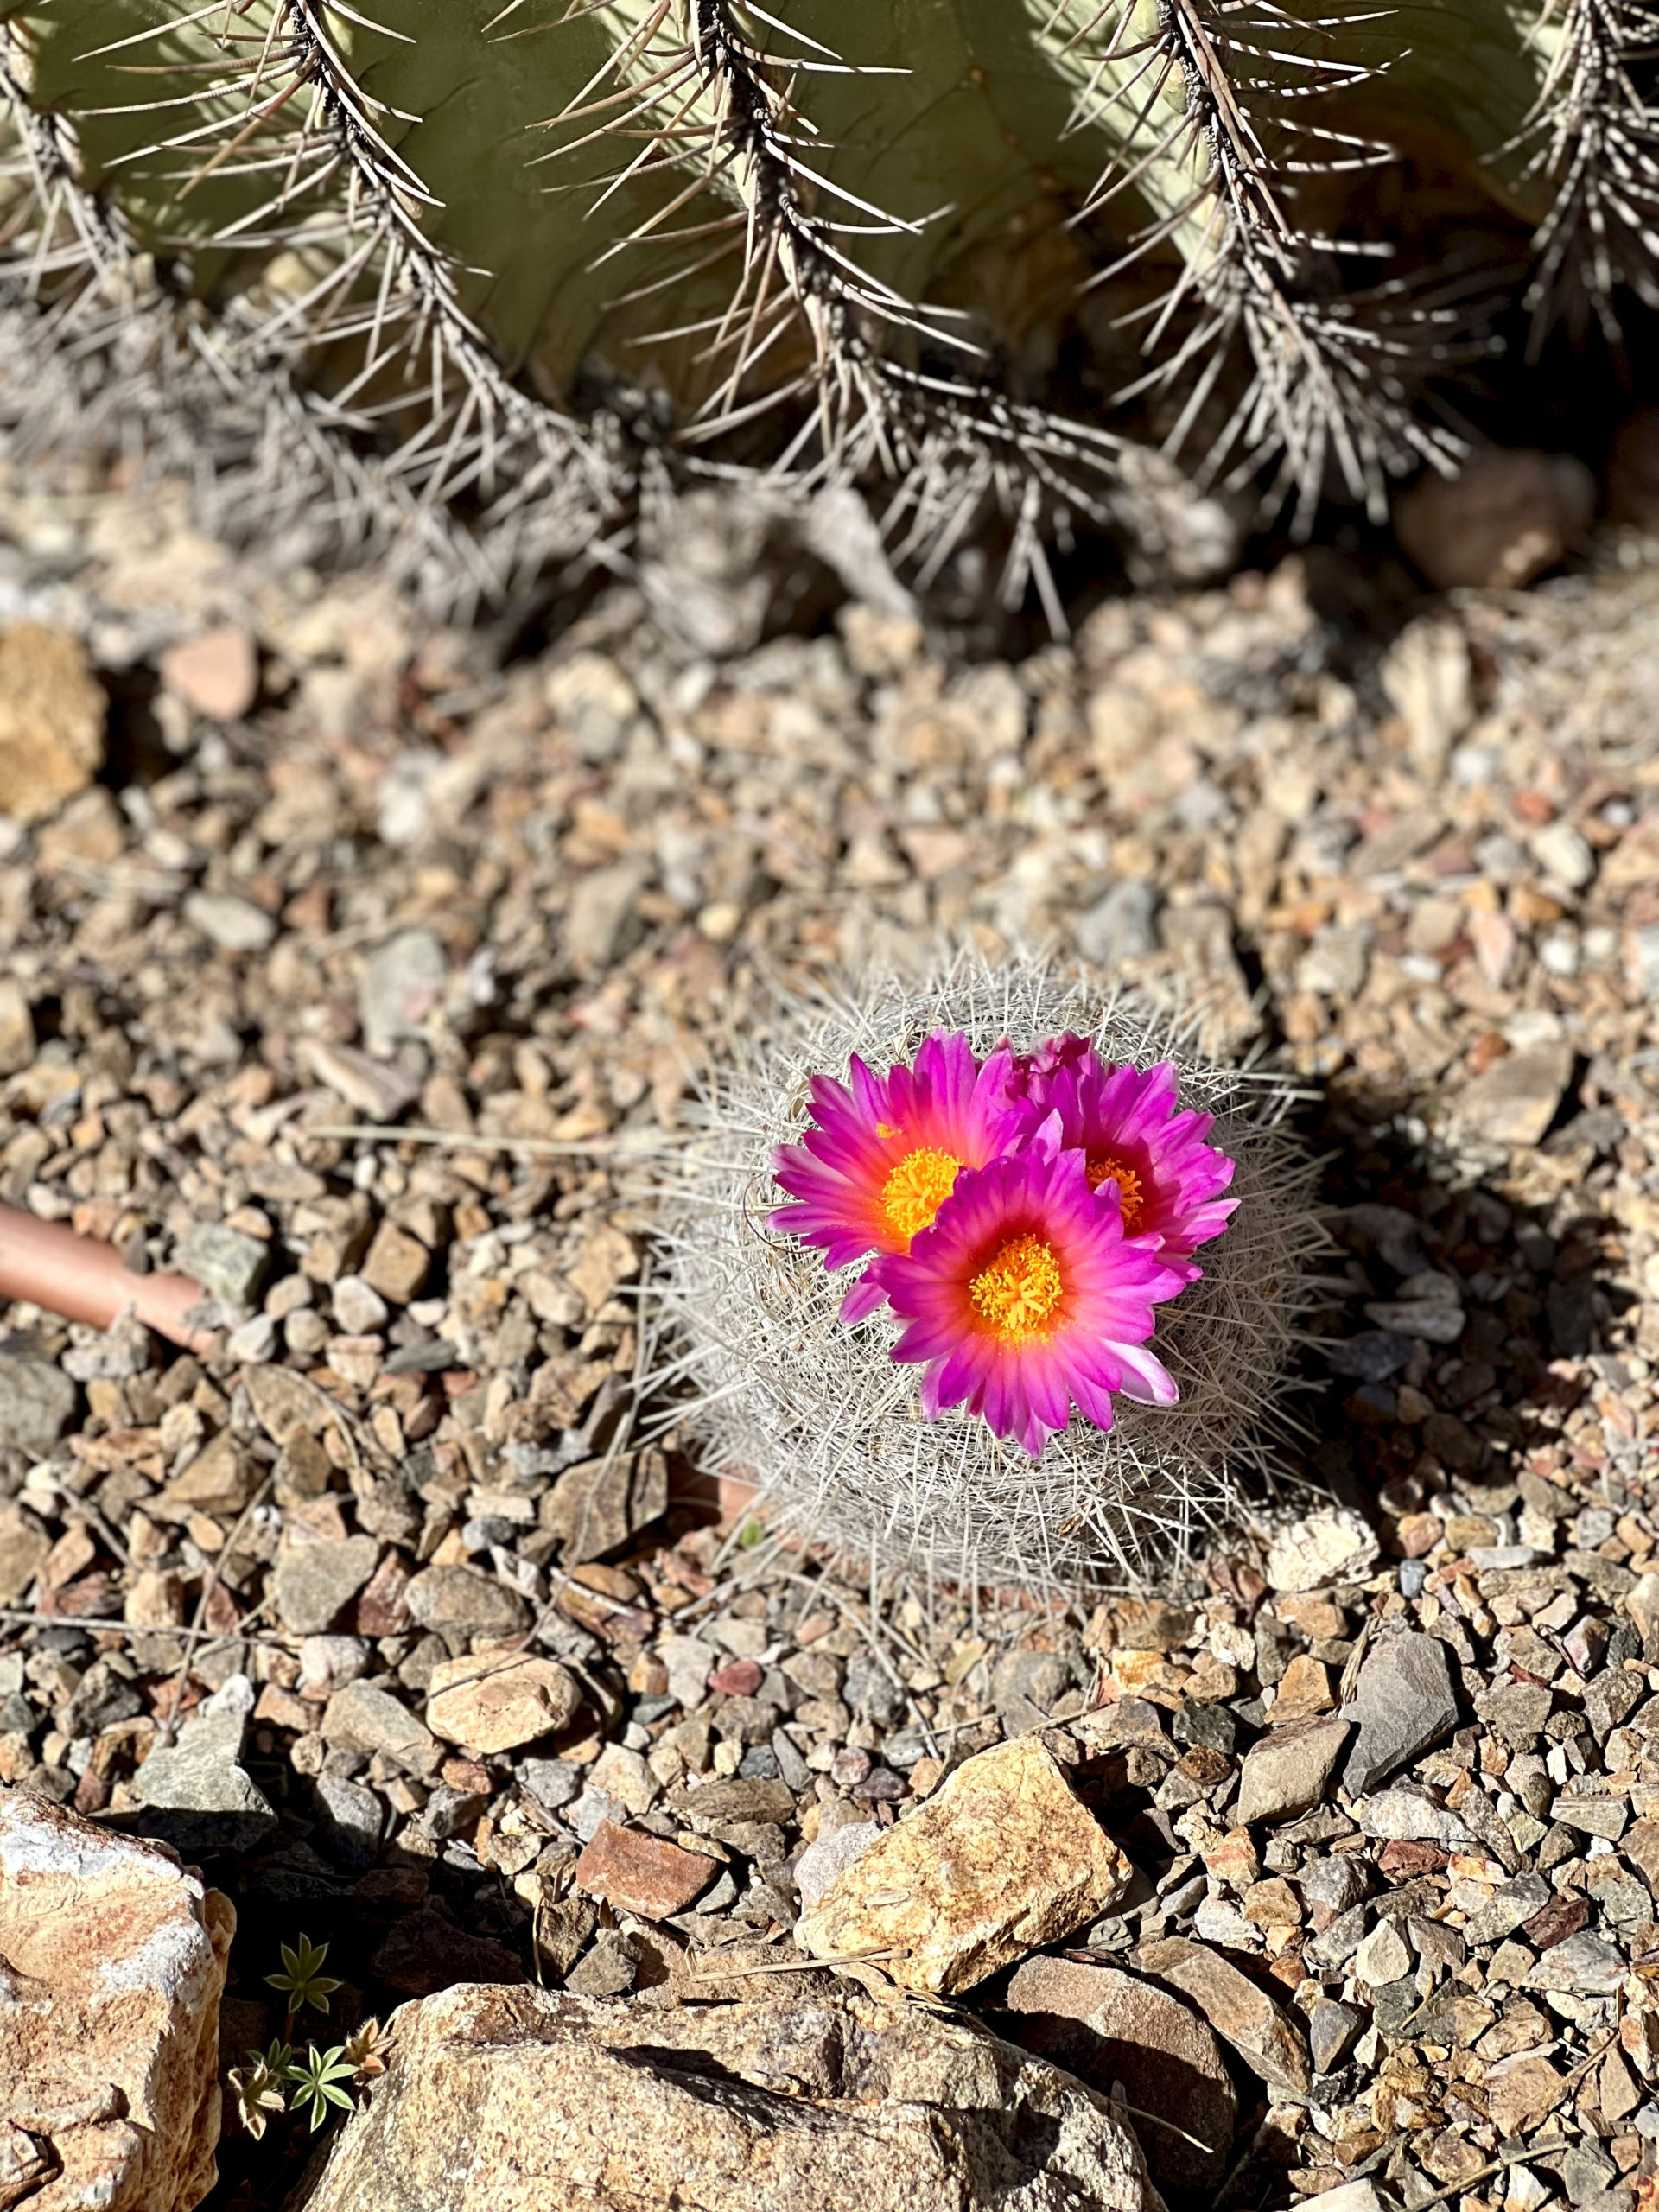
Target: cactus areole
column 470, row 269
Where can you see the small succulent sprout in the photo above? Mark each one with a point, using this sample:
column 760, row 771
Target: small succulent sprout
column 318, row 2079
column 367, row 2049
column 260, row 2086
column 1078, row 1253
column 302, row 1979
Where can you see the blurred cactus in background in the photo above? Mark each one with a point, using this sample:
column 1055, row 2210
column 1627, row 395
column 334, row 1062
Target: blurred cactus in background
column 451, row 280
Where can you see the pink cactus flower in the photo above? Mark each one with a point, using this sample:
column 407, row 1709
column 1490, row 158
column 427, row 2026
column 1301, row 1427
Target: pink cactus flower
column 885, row 1153
column 1026, row 1296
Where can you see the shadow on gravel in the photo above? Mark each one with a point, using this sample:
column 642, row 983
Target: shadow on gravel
column 1453, row 1356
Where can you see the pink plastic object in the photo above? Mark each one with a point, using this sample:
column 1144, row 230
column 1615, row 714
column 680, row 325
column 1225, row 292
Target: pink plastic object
column 83, row 1279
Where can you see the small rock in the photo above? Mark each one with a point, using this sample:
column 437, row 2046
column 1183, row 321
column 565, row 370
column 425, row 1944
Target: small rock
column 37, row 1403
column 610, row 1969
column 601, row 907
column 52, row 716
column 690, row 1662
column 227, row 1263
column 196, row 1793
column 1403, row 1702
column 1238, row 2011
column 17, row 1041
column 1507, row 517
column 1431, row 1320
column 1586, row 1965
column 1564, row 854
column 1333, row 2031
column 1384, row 1955
column 1509, row 1904
column 312, row 1583
column 1517, row 1099
column 829, row 1855
column 1107, row 2026
column 1427, row 678
column 109, row 2037
column 1352, row 2196
column 1286, row 1770
column 396, row 1265
column 1001, row 1859
column 642, row 1874
column 328, row 1663
column 360, row 1310
column 379, row 1092
column 221, row 1479
column 1404, row 1816
column 1119, row 926
column 1333, row 1545
column 352, row 1819
column 553, row 1784
column 217, row 674
column 23, row 1547
column 459, row 1599
column 491, row 1704
column 599, row 1506
column 402, row 987
column 365, row 1717
column 625, row 1776
column 233, row 924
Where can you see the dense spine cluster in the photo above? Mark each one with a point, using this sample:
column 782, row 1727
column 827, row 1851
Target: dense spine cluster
column 445, row 275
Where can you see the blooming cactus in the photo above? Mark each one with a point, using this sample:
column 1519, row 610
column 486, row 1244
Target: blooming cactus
column 1078, row 1253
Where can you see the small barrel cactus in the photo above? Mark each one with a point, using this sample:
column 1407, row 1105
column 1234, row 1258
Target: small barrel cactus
column 992, row 1277
column 458, row 273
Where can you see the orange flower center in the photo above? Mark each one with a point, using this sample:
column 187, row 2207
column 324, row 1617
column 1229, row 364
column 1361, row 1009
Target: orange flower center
column 916, row 1189
column 1019, row 1289
column 1108, row 1170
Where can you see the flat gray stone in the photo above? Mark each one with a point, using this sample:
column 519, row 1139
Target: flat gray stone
column 353, row 1820
column 313, row 1582
column 195, row 1792
column 1403, row 1702
column 402, row 987
column 461, row 1599
column 365, row 1717
column 227, row 1262
column 37, row 1403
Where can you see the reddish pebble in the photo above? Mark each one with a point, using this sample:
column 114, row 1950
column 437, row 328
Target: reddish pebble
column 642, row 1873
column 1412, row 1859
column 737, row 1678
column 217, row 673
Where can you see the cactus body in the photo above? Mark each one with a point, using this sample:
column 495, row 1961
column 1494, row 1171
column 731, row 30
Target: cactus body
column 474, row 258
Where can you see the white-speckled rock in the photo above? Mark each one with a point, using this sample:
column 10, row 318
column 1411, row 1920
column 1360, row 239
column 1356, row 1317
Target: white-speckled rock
column 111, row 1967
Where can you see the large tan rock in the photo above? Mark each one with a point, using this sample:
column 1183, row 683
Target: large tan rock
column 519, row 2101
column 52, row 716
column 1000, row 1860
column 111, row 1967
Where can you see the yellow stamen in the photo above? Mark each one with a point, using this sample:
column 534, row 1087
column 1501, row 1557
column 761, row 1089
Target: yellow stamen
column 916, row 1189
column 1020, row 1290
column 1128, row 1186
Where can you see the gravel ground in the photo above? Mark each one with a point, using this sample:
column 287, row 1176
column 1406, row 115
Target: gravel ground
column 341, row 879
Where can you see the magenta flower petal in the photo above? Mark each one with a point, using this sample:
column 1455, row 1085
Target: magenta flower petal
column 883, row 1152
column 1126, row 1122
column 1025, row 1295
